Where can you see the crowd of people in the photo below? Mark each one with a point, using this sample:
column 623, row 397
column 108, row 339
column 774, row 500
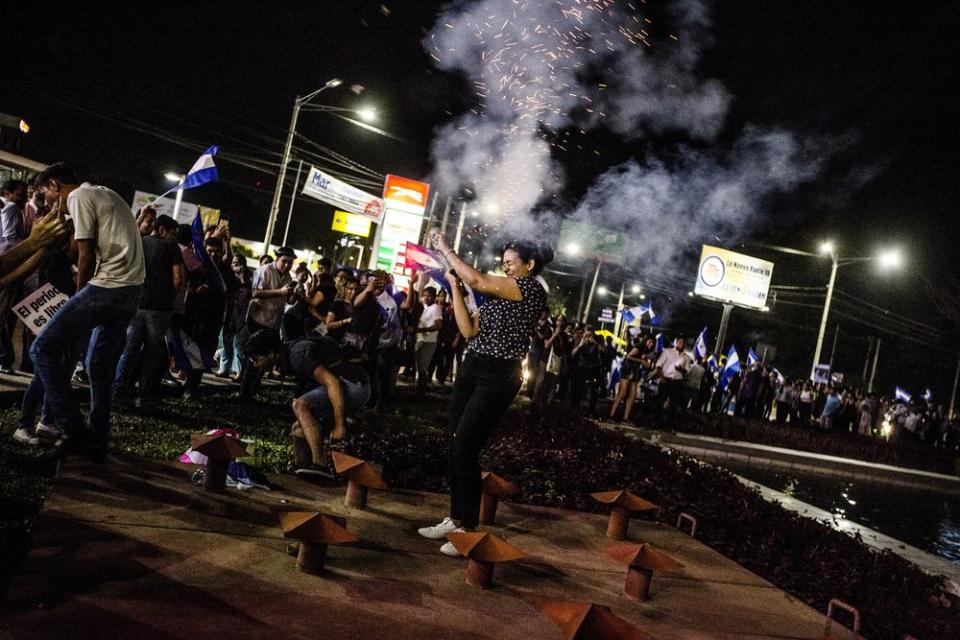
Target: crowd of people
column 153, row 302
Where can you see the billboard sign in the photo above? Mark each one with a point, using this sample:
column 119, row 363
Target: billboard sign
column 346, row 222
column 733, row 278
column 404, row 194
column 399, row 228
column 328, row 189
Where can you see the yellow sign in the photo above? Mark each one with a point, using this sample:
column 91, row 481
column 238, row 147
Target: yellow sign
column 351, row 223
column 733, row 277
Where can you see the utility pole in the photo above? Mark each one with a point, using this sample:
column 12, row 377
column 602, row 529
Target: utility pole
column 826, row 313
column 293, row 198
column 593, row 290
column 833, row 350
column 866, row 363
column 722, row 332
column 619, row 317
column 953, row 396
column 873, row 372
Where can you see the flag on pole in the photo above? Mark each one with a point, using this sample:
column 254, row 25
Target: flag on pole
column 659, row 343
column 752, row 358
column 700, row 346
column 654, row 320
column 202, row 171
column 928, row 396
column 732, row 367
column 901, row 395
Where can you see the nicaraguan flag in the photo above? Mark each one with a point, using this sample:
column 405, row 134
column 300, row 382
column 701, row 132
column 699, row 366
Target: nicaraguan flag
column 654, row 320
column 713, row 364
column 632, row 313
column 900, row 394
column 202, row 171
column 659, row 343
column 752, row 358
column 700, row 346
column 732, row 367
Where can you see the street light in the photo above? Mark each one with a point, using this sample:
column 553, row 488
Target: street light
column 573, row 249
column 367, row 114
column 635, row 289
column 602, row 290
column 275, row 204
column 173, row 176
column 888, row 258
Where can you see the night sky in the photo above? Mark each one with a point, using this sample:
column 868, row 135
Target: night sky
column 877, row 80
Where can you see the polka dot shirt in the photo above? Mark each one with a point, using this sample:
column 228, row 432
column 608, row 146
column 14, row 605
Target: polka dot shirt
column 506, row 326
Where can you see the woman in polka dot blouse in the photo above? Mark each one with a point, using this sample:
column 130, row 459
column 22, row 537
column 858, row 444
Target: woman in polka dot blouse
column 490, row 377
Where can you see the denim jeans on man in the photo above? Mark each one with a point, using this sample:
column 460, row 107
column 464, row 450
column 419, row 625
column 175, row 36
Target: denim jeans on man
column 145, row 353
column 101, row 314
column 355, row 396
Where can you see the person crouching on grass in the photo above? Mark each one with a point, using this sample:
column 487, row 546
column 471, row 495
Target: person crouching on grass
column 333, row 387
column 499, row 337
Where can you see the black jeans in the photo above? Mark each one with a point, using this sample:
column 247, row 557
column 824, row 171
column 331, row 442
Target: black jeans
column 483, row 391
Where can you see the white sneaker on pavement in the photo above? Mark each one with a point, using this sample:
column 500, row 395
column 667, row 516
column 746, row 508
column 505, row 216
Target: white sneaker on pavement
column 439, row 531
column 448, row 549
column 23, row 436
column 51, row 431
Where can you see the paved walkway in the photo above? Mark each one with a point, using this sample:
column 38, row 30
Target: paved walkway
column 132, row 549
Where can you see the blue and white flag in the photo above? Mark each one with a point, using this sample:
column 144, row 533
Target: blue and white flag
column 700, row 346
column 752, row 358
column 928, row 396
column 202, row 171
column 901, row 395
column 732, row 367
column 654, row 320
column 713, row 364
column 631, row 313
column 659, row 343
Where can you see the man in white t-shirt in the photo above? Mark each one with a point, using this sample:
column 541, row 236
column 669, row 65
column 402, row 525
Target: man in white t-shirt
column 672, row 366
column 428, row 326
column 110, row 275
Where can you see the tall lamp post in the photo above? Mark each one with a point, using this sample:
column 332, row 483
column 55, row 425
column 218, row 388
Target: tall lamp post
column 890, row 259
column 275, row 205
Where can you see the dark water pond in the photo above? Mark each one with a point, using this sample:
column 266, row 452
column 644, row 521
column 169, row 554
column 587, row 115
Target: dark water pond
column 925, row 519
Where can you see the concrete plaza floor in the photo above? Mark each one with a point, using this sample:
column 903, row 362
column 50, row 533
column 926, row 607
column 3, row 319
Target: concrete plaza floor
column 132, row 549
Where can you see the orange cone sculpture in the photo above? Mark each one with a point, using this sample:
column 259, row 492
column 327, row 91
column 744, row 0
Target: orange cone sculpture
column 622, row 505
column 483, row 551
column 360, row 475
column 220, row 451
column 314, row 531
column 588, row 621
column 494, row 487
column 641, row 560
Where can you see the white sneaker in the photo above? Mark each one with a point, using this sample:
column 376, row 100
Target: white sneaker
column 439, row 531
column 448, row 549
column 51, row 431
column 23, row 436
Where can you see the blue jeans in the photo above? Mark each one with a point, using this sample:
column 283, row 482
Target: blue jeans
column 35, row 398
column 145, row 353
column 102, row 315
column 355, row 396
column 229, row 352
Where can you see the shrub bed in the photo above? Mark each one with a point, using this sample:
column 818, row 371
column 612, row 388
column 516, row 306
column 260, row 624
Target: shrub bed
column 558, row 459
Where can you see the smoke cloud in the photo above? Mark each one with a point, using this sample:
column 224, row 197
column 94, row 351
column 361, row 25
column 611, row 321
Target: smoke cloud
column 542, row 67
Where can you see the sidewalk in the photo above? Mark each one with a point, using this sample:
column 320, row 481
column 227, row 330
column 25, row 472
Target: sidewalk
column 132, row 549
